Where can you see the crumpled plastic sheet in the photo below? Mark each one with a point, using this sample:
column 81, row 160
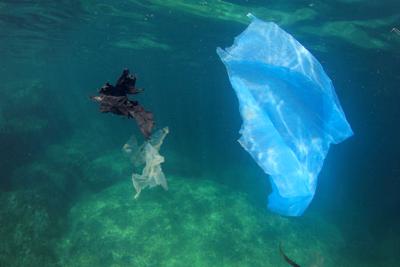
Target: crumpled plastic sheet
column 148, row 159
column 290, row 111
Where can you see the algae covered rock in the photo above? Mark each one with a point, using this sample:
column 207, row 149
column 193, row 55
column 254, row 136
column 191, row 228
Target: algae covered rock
column 22, row 108
column 27, row 231
column 195, row 223
column 72, row 167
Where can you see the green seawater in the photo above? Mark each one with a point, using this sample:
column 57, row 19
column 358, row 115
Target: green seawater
column 66, row 196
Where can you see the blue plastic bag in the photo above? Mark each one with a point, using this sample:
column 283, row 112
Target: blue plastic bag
column 289, row 108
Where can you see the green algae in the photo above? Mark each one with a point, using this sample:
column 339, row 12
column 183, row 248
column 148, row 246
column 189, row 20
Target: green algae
column 27, row 230
column 196, row 223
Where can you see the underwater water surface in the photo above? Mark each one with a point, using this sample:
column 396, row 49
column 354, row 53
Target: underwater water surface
column 66, row 195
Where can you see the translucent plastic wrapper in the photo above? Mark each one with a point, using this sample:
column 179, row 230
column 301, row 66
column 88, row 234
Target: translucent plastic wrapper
column 290, row 111
column 147, row 159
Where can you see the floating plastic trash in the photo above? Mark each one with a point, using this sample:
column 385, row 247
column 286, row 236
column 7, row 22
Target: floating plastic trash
column 290, row 111
column 148, row 159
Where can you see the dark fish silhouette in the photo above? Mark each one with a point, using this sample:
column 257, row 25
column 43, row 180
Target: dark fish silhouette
column 115, row 99
column 286, row 258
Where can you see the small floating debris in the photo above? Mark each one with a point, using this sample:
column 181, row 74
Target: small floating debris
column 396, row 31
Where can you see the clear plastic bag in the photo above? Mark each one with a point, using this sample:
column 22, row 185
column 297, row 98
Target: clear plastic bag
column 147, row 156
